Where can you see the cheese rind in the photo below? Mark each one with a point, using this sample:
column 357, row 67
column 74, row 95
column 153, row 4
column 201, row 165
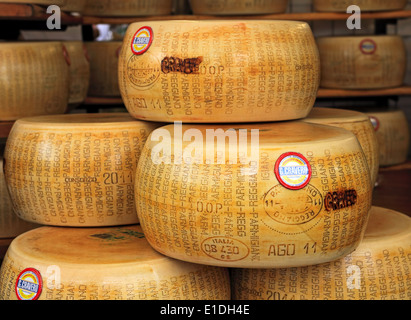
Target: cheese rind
column 128, row 8
column 219, row 71
column 377, row 270
column 242, row 7
column 365, row 5
column 75, row 169
column 220, row 210
column 362, row 62
column 113, row 263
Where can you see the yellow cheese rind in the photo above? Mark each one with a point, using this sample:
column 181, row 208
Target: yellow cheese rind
column 393, row 135
column 106, row 264
column 365, row 5
column 242, row 7
column 377, row 270
column 34, row 79
column 239, row 215
column 128, row 8
column 362, row 62
column 359, row 124
column 76, row 169
column 234, row 71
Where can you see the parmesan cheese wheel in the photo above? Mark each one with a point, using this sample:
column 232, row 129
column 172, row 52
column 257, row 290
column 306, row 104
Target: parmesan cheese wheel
column 235, row 7
column 292, row 194
column 75, row 169
column 128, row 8
column 362, row 62
column 43, row 2
column 34, row 79
column 378, row 270
column 365, row 5
column 359, row 124
column 103, row 68
column 10, row 225
column 219, row 71
column 79, row 72
column 393, row 135
column 115, row 263
column 74, row 5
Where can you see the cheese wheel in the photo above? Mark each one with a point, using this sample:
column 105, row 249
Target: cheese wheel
column 365, row 5
column 79, row 72
column 235, row 7
column 128, row 8
column 359, row 124
column 34, row 79
column 393, row 135
column 362, row 62
column 74, row 5
column 378, row 270
column 103, row 68
column 219, row 71
column 294, row 186
column 114, row 263
column 42, row 2
column 10, row 225
column 75, row 169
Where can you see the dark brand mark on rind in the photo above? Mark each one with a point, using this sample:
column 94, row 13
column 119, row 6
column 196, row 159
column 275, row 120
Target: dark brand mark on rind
column 187, row 66
column 121, row 234
column 339, row 200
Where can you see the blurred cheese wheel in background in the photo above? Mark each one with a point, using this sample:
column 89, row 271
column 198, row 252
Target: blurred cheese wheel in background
column 292, row 194
column 34, row 79
column 79, row 72
column 73, row 5
column 113, row 263
column 393, row 135
column 219, row 71
column 362, row 62
column 103, row 68
column 128, row 7
column 235, row 7
column 365, row 5
column 379, row 269
column 42, row 2
column 356, row 122
column 75, row 169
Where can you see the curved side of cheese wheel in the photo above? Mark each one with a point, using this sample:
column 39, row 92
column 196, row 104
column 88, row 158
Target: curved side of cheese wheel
column 356, row 122
column 220, row 71
column 377, row 270
column 365, row 5
column 79, row 72
column 75, row 170
column 103, row 68
column 34, row 79
column 362, row 62
column 128, row 7
column 106, row 264
column 74, row 5
column 233, row 211
column 393, row 135
column 238, row 7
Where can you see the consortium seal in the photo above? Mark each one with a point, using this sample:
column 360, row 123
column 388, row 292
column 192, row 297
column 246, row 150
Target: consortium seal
column 293, row 170
column 29, row 284
column 142, row 40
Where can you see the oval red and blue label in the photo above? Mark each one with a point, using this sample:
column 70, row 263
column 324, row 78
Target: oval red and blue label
column 29, row 284
column 293, row 170
column 142, row 40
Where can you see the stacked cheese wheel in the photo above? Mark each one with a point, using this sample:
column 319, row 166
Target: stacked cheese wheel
column 393, row 135
column 116, row 8
column 51, row 263
column 365, row 5
column 34, row 79
column 359, row 124
column 235, row 7
column 378, row 270
column 362, row 62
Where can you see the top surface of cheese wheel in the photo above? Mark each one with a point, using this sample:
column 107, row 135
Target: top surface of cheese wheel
column 365, row 5
column 127, row 7
column 219, row 71
column 235, row 7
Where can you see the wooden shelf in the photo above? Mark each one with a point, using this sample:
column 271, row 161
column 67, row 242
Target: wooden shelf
column 103, row 101
column 5, row 127
column 338, row 93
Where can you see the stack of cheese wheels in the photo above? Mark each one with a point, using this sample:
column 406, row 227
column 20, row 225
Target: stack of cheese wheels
column 103, row 68
column 34, row 79
column 114, row 263
column 235, row 7
column 128, row 7
column 75, row 169
column 359, row 124
column 393, row 135
column 365, row 5
column 74, row 5
column 219, row 71
column 362, row 62
column 79, row 72
column 293, row 194
column 378, row 270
